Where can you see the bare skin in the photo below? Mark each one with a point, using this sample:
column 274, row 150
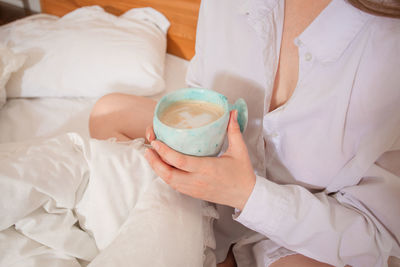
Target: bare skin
column 122, row 116
column 126, row 117
column 298, row 15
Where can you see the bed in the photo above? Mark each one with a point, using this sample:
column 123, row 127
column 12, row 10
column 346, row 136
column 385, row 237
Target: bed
column 61, row 203
column 180, row 48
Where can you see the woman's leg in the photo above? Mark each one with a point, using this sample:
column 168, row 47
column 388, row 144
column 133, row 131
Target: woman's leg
column 229, row 261
column 122, row 116
column 298, row 260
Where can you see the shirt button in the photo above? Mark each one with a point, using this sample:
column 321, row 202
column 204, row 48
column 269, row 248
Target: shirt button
column 308, row 56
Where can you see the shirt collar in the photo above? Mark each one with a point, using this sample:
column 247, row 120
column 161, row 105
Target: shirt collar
column 258, row 8
column 332, row 31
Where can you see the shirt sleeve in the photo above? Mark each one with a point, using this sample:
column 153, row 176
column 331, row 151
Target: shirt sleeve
column 358, row 225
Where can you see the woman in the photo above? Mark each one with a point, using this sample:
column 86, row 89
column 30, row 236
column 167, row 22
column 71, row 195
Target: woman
column 315, row 179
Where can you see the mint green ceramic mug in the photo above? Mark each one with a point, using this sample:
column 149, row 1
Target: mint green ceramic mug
column 206, row 140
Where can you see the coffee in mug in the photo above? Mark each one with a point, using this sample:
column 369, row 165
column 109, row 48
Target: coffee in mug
column 189, row 114
column 194, row 121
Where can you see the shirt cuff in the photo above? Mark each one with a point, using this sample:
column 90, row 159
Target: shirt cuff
column 265, row 207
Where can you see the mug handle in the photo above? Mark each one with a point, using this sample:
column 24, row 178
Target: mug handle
column 243, row 114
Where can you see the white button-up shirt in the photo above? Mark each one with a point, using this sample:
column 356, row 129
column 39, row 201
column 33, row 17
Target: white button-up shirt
column 327, row 161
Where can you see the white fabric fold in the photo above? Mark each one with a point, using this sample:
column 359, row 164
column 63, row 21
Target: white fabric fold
column 40, row 182
column 65, row 197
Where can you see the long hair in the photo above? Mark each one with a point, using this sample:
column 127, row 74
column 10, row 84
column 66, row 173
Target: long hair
column 387, row 8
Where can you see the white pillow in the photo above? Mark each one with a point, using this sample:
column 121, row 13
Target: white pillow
column 89, row 53
column 9, row 63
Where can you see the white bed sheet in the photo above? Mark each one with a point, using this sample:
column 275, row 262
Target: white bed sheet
column 127, row 216
column 178, row 241
column 22, row 119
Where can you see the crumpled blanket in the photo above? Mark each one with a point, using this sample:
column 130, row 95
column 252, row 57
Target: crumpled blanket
column 67, row 201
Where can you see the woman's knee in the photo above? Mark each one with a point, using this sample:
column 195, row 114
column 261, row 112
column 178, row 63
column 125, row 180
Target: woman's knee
column 106, row 104
column 100, row 119
column 116, row 114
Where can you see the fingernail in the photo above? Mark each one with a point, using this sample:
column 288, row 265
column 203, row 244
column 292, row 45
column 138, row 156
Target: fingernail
column 148, row 136
column 155, row 145
column 235, row 114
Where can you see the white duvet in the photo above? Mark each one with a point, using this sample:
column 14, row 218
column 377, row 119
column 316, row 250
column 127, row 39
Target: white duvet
column 70, row 201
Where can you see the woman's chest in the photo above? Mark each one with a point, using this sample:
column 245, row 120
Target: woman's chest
column 309, row 139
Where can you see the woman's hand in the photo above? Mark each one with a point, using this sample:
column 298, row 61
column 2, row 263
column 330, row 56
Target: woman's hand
column 228, row 179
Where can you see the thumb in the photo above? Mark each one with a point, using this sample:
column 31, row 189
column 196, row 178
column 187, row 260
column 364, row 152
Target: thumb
column 235, row 138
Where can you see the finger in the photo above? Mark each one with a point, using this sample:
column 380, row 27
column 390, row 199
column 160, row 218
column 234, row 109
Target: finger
column 235, row 138
column 177, row 179
column 162, row 169
column 150, row 136
column 178, row 160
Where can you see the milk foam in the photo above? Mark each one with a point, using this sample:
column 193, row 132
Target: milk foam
column 187, row 114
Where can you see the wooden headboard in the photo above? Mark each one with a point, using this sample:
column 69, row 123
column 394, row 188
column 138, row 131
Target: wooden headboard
column 182, row 15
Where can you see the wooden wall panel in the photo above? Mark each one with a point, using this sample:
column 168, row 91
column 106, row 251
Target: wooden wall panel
column 181, row 13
